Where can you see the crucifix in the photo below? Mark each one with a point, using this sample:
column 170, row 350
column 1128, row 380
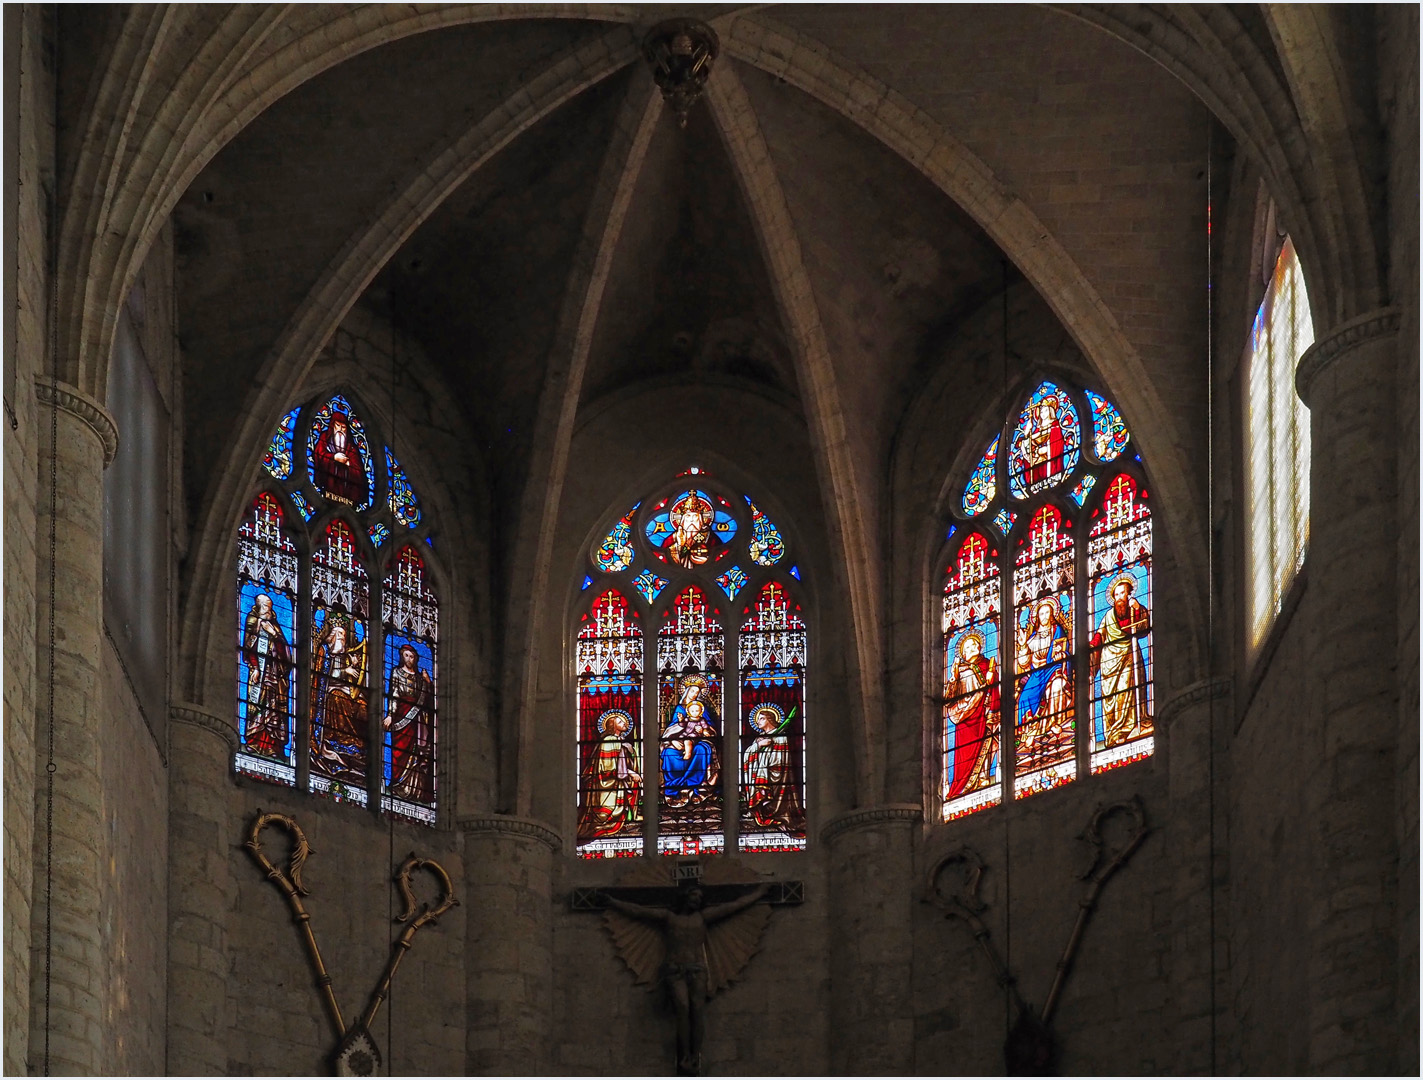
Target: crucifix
column 693, row 934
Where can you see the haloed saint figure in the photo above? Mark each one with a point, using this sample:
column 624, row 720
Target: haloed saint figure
column 690, row 764
column 767, row 775
column 411, row 697
column 1042, row 449
column 1045, row 693
column 269, row 668
column 973, row 710
column 612, row 779
column 1117, row 656
column 689, row 544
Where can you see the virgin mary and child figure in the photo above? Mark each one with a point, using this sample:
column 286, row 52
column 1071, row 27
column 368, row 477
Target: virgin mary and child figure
column 690, row 763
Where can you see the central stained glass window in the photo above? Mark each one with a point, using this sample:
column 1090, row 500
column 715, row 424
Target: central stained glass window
column 706, row 751
column 1047, row 606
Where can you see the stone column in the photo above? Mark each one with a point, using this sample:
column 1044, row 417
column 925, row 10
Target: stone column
column 1183, row 728
column 872, row 896
column 1347, row 379
column 201, row 889
column 508, row 901
column 77, row 439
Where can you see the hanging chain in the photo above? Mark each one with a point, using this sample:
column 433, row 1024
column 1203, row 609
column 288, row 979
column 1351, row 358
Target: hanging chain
column 50, row 767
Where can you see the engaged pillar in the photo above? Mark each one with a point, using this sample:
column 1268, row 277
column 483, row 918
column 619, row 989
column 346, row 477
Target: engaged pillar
column 201, row 890
column 1347, row 378
column 77, row 439
column 508, row 900
column 871, row 909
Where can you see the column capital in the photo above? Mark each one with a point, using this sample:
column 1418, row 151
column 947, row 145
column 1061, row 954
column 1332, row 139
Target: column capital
column 1342, row 340
column 185, row 712
column 509, row 825
column 1205, row 690
column 865, row 816
column 61, row 395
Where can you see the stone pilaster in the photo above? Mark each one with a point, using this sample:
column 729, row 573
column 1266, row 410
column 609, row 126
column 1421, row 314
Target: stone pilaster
column 201, row 890
column 67, row 970
column 1347, row 379
column 871, row 853
column 509, row 944
column 1185, row 725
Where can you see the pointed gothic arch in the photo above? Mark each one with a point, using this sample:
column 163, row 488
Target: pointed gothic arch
column 690, row 666
column 1045, row 637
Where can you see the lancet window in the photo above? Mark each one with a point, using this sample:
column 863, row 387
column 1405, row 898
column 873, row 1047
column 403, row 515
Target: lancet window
column 1277, row 444
column 1046, row 607
column 699, row 745
column 338, row 620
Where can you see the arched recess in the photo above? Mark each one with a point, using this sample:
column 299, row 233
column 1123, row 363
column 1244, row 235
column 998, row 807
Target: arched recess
column 454, row 503
column 688, row 633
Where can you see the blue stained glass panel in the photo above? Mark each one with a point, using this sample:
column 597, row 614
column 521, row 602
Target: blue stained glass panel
column 1046, row 442
column 732, row 582
column 1004, row 519
column 615, row 552
column 586, row 582
column 795, row 572
column 1109, row 430
column 982, row 485
column 1079, row 493
column 767, row 547
column 649, row 584
column 379, row 533
column 303, row 507
column 278, row 459
column 403, row 503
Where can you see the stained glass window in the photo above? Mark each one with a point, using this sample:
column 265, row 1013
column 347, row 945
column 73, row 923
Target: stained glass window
column 983, row 484
column 766, row 545
column 266, row 644
column 1277, row 443
column 1010, row 634
column 610, row 773
column 772, row 782
column 331, row 698
column 338, row 455
column 1045, row 725
column 401, row 496
column 615, row 552
column 716, row 756
column 340, row 613
column 1121, row 656
column 691, row 704
column 1109, row 430
column 1046, row 442
column 694, row 529
column 972, row 716
column 278, row 458
column 410, row 617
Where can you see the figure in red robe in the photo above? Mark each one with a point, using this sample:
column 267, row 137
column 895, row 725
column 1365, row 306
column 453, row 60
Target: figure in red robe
column 411, row 694
column 1040, row 451
column 336, row 461
column 972, row 709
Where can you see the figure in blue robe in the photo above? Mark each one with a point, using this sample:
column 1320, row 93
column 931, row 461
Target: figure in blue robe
column 689, row 759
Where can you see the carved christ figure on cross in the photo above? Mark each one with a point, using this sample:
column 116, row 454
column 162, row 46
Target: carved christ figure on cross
column 685, row 969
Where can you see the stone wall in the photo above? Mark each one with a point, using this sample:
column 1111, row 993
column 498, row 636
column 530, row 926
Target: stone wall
column 29, row 120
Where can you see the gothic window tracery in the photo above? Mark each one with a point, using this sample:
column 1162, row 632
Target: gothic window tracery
column 1046, row 634
column 704, row 752
column 338, row 620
